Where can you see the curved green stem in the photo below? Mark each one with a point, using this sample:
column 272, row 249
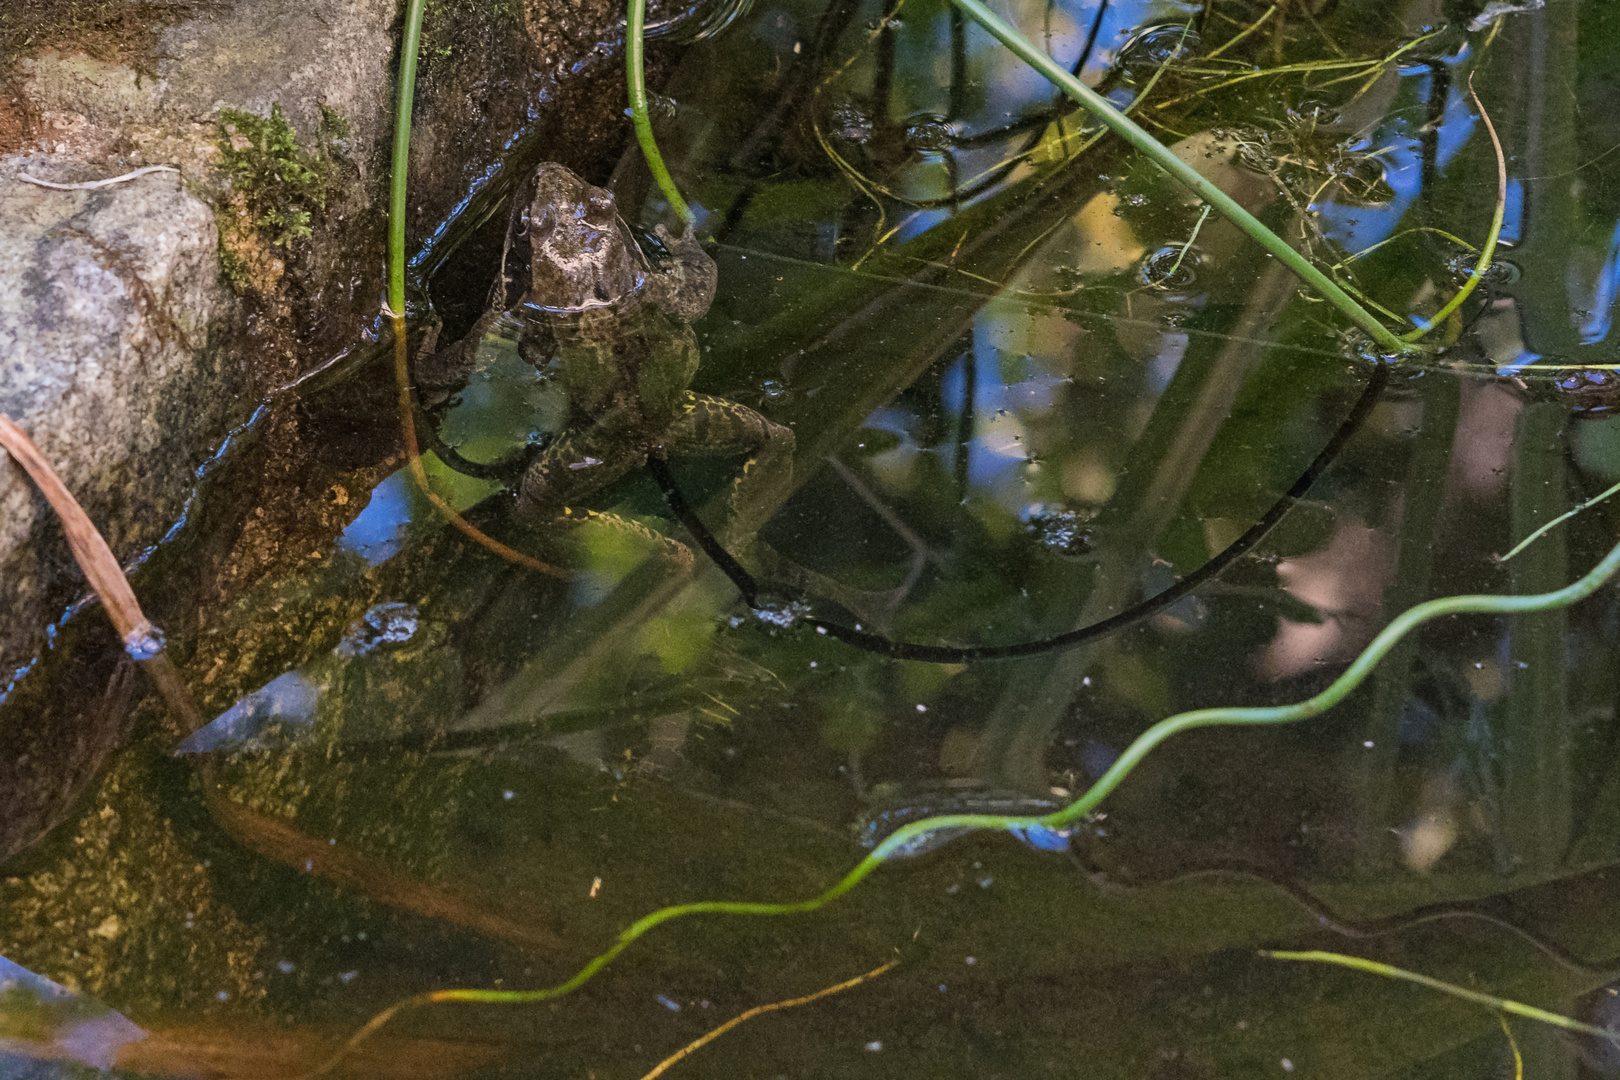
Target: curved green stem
column 1490, row 1001
column 409, row 45
column 1133, row 133
column 634, row 70
column 1487, row 252
column 907, row 837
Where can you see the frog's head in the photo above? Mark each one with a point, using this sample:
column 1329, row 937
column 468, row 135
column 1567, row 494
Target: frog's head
column 583, row 256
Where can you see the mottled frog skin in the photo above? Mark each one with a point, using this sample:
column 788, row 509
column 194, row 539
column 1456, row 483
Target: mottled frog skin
column 615, row 334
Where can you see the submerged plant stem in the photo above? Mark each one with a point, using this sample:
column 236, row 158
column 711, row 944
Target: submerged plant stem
column 1182, row 255
column 1245, row 32
column 1560, row 519
column 413, row 461
column 905, row 838
column 758, row 1010
column 1487, row 252
column 1388, row 971
column 396, row 297
column 1133, row 133
column 637, row 79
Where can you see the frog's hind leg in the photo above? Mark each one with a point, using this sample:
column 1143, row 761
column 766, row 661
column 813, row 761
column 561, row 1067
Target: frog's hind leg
column 614, row 531
column 571, row 468
column 715, row 427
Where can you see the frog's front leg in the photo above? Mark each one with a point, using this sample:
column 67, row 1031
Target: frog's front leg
column 714, row 427
column 437, row 369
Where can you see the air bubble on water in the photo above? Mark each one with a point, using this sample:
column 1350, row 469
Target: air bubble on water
column 851, row 123
column 1174, row 266
column 773, row 388
column 1060, row 531
column 1137, row 199
column 929, row 133
column 1361, row 180
column 1362, row 347
column 1154, row 46
column 1311, row 110
column 699, row 21
column 659, row 107
column 1500, row 272
column 781, row 613
column 144, row 643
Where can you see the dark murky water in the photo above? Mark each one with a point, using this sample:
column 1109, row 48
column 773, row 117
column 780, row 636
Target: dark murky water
column 1023, row 402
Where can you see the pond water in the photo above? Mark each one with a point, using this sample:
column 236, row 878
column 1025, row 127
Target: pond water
column 1032, row 384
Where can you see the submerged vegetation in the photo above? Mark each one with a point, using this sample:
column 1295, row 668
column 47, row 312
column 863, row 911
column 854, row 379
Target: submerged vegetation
column 1079, row 466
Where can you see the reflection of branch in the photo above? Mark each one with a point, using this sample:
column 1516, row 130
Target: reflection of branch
column 368, row 876
column 1158, row 503
column 921, row 553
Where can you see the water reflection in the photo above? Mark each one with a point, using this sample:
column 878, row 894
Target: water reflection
column 42, row 1022
column 1004, row 433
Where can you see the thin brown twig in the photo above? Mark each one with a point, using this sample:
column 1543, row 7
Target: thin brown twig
column 141, row 639
column 91, row 552
column 413, row 459
column 757, row 1010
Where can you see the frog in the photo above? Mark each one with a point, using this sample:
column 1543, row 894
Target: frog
column 613, row 332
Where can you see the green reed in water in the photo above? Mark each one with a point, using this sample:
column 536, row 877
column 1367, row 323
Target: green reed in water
column 909, row 837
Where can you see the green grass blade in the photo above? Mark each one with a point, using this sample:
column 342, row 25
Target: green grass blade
column 400, row 166
column 637, row 79
column 1138, row 137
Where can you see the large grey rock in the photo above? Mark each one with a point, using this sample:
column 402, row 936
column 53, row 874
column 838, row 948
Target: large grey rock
column 300, row 55
column 124, row 354
column 108, row 300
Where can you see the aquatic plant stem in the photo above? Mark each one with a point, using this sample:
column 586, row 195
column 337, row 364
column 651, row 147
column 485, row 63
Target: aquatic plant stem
column 1560, row 519
column 637, row 80
column 409, row 45
column 1487, row 252
column 1182, row 254
column 906, row 839
column 413, row 462
column 1244, row 33
column 1388, row 971
column 758, row 1010
column 1138, row 137
column 408, row 49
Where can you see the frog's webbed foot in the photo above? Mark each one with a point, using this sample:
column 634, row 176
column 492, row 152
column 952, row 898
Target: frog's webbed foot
column 686, row 290
column 571, row 467
column 436, row 369
column 712, row 426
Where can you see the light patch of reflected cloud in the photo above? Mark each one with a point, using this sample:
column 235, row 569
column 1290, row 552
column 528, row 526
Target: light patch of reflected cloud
column 1344, row 581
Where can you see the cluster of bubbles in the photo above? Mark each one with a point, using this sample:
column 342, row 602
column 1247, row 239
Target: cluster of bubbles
column 1061, row 531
